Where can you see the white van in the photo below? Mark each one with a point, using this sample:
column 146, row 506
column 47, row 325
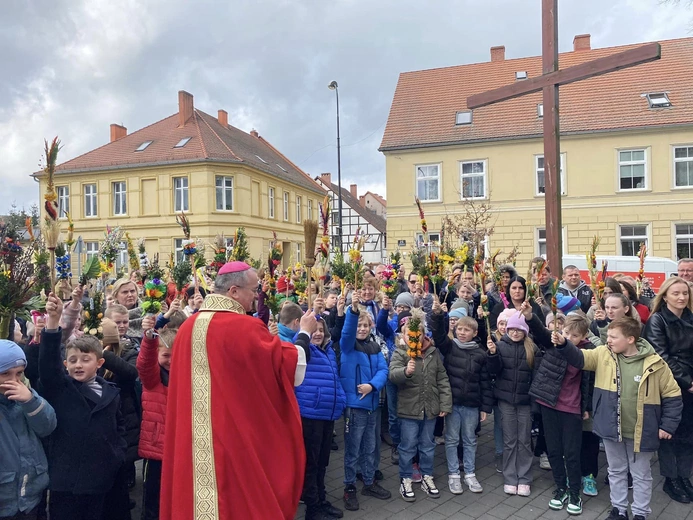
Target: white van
column 656, row 269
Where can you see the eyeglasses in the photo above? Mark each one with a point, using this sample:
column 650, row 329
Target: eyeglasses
column 412, row 281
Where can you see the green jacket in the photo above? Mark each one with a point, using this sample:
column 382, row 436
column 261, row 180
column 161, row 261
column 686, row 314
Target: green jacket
column 659, row 404
column 424, row 394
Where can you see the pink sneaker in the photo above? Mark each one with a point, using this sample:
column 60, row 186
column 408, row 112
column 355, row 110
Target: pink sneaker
column 523, row 490
column 510, row 490
column 416, row 474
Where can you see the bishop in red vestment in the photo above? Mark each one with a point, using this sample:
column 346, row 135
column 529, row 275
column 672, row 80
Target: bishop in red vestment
column 233, row 446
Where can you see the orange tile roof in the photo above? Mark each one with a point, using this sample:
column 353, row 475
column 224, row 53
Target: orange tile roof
column 425, row 102
column 376, row 197
column 211, row 142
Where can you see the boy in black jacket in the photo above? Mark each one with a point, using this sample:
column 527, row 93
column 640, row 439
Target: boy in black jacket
column 87, row 448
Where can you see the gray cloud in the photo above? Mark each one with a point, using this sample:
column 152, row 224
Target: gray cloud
column 70, row 68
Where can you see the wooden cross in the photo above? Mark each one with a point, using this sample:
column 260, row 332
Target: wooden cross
column 548, row 83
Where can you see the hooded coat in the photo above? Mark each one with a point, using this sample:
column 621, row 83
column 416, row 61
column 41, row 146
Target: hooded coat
column 582, row 292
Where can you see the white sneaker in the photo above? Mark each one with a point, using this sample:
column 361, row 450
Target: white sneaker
column 523, row 490
column 509, row 490
column 429, row 486
column 473, row 483
column 544, row 461
column 406, row 491
column 455, row 484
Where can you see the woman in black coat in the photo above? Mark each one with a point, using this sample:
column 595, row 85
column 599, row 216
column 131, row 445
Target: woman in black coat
column 515, row 296
column 670, row 331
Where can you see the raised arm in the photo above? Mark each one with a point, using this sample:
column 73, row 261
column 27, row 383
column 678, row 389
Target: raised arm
column 148, row 362
column 440, row 338
column 51, row 370
column 347, row 342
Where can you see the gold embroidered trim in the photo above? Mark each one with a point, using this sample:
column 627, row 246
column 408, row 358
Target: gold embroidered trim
column 217, row 302
column 206, row 502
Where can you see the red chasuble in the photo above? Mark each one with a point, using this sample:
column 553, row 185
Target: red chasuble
column 234, row 444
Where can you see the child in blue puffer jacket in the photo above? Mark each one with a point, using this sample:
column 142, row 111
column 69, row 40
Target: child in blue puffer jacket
column 363, row 374
column 24, row 417
column 321, row 400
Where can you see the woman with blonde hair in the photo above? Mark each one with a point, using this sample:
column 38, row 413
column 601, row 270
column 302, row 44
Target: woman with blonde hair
column 670, row 331
column 125, row 293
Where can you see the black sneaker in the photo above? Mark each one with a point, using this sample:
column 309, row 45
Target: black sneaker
column 378, row 476
column 639, row 517
column 574, row 503
column 330, row 510
column 559, row 500
column 687, row 487
column 376, row 491
column 317, row 514
column 615, row 515
column 351, row 501
column 394, row 454
column 673, row 488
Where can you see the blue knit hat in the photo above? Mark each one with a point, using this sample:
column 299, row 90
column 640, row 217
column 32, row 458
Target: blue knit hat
column 566, row 303
column 459, row 312
column 11, row 355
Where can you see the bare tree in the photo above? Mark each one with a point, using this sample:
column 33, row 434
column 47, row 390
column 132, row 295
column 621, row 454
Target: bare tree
column 474, row 222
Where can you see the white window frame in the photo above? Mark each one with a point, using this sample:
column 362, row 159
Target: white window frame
column 640, row 238
column 286, row 206
column 120, row 205
column 538, row 241
column 310, row 209
column 181, row 194
column 122, row 258
column 91, row 249
column 227, row 184
column 683, row 236
column 483, row 175
column 438, row 177
column 564, row 188
column 676, row 161
column 644, row 162
column 90, row 201
column 270, row 198
column 299, row 254
column 178, row 254
column 299, row 213
column 63, row 200
column 433, row 240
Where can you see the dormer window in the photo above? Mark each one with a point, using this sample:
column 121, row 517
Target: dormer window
column 658, row 100
column 522, row 74
column 143, row 146
column 463, row 118
column 540, row 110
column 182, row 142
column 261, row 159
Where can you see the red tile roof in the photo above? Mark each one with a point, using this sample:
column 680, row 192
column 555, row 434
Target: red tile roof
column 210, row 142
column 376, row 197
column 425, row 102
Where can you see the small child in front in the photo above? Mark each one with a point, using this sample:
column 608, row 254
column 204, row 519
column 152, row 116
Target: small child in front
column 637, row 402
column 87, row 448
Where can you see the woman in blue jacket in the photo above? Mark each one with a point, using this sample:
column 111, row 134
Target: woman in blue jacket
column 321, row 400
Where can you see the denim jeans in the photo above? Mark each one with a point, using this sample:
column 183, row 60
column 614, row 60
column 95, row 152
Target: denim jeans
column 461, row 423
column 359, row 438
column 392, row 419
column 498, row 430
column 375, row 456
column 416, row 435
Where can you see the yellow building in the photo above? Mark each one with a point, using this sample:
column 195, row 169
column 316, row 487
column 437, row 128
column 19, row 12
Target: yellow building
column 220, row 176
column 626, row 151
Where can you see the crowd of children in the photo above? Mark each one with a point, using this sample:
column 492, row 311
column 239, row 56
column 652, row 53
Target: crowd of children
column 585, row 375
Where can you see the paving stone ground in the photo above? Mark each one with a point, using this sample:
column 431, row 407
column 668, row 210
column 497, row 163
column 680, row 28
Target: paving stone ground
column 492, row 504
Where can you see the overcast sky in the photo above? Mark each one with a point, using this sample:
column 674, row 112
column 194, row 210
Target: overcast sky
column 72, row 67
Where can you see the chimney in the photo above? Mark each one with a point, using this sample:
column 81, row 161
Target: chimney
column 118, row 132
column 223, row 118
column 498, row 53
column 362, row 201
column 185, row 107
column 582, row 42
column 352, row 189
column 326, row 178
column 254, row 133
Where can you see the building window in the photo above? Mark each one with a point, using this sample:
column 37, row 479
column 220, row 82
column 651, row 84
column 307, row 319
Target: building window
column 541, row 179
column 178, row 250
column 310, row 209
column 299, row 257
column 631, row 238
column 631, row 169
column 541, row 241
column 91, row 248
column 63, row 201
column 271, row 202
column 180, row 192
column 90, row 209
column 286, row 206
column 684, row 241
column 433, row 241
column 299, row 216
column 119, row 199
column 428, row 182
column 224, row 186
column 473, row 179
column 683, row 166
column 122, row 260
column 463, row 118
column 335, row 218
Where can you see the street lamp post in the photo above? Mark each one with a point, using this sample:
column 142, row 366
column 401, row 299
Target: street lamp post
column 335, row 87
